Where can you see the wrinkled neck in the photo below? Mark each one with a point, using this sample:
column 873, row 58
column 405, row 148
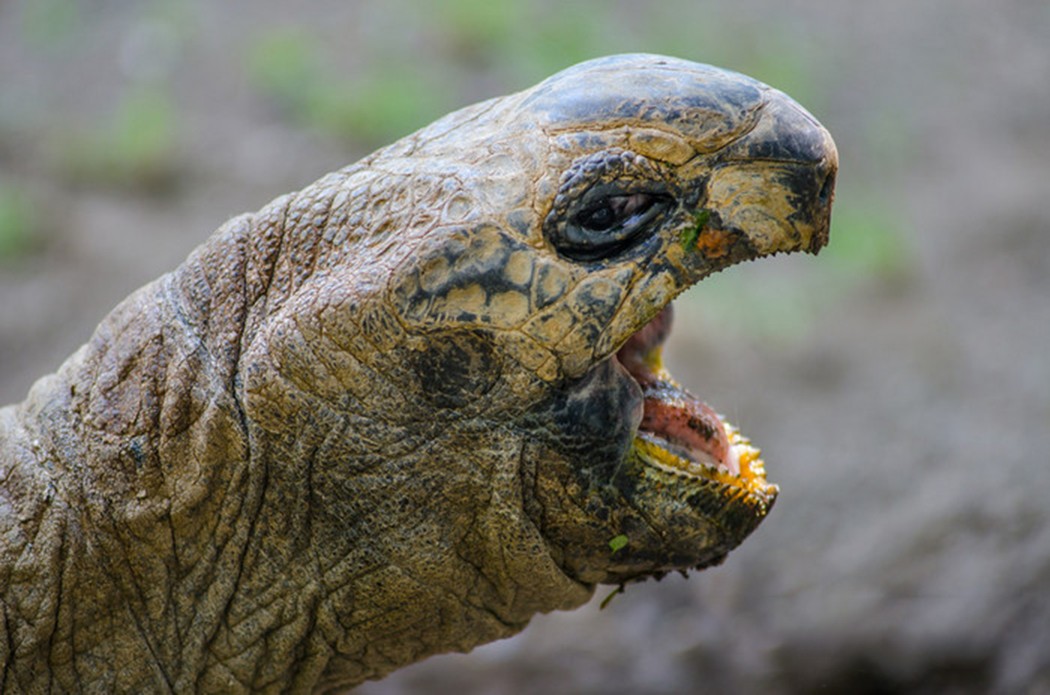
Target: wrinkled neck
column 427, row 553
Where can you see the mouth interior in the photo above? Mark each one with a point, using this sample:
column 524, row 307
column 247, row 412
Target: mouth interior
column 678, row 431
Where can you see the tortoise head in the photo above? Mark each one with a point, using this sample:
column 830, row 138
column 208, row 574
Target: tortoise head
column 510, row 297
column 605, row 192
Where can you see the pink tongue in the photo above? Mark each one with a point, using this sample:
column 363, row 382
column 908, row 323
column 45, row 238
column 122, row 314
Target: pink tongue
column 672, row 413
column 682, row 419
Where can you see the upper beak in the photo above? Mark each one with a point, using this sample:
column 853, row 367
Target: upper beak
column 772, row 188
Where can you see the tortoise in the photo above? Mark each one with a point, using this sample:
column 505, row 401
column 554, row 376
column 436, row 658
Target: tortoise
column 401, row 411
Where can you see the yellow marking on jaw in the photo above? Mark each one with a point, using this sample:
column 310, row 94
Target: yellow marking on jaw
column 752, row 475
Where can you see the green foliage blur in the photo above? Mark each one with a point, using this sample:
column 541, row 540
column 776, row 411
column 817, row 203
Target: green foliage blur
column 286, row 67
column 135, row 148
column 19, row 230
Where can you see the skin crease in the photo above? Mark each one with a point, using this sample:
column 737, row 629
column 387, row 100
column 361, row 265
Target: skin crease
column 378, row 419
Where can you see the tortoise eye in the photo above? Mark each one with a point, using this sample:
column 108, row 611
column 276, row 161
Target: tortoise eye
column 615, row 210
column 610, row 224
column 597, row 219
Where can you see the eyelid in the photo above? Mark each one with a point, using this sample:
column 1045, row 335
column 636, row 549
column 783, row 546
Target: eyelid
column 629, row 188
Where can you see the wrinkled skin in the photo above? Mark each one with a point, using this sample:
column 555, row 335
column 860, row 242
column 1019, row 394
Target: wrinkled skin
column 381, row 418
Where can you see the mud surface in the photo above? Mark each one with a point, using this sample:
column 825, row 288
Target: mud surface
column 899, row 384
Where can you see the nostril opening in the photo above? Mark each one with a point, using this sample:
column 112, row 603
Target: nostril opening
column 826, row 189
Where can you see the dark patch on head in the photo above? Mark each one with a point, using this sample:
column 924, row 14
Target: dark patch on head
column 789, row 134
column 457, row 368
column 810, row 189
column 472, row 259
column 697, row 100
column 486, row 273
column 672, row 100
column 593, row 419
column 136, row 449
column 596, row 310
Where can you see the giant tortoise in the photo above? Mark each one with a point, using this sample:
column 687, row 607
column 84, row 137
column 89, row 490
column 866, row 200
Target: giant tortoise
column 406, row 408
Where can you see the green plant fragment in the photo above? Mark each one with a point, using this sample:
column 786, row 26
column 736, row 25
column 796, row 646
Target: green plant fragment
column 690, row 236
column 608, row 599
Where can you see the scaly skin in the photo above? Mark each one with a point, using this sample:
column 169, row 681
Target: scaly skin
column 380, row 418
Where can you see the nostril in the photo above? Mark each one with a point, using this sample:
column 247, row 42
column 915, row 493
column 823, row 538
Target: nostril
column 827, row 189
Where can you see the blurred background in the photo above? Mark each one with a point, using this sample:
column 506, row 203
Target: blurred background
column 898, row 383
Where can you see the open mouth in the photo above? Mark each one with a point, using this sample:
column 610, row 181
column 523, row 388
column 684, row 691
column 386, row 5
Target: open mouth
column 679, row 433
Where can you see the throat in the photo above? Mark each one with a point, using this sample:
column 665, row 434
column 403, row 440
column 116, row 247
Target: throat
column 678, row 421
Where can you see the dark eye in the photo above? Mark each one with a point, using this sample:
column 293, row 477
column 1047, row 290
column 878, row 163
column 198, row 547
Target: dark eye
column 609, row 223
column 615, row 210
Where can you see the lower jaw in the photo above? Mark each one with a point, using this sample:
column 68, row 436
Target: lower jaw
column 750, row 481
column 685, row 514
column 680, row 436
